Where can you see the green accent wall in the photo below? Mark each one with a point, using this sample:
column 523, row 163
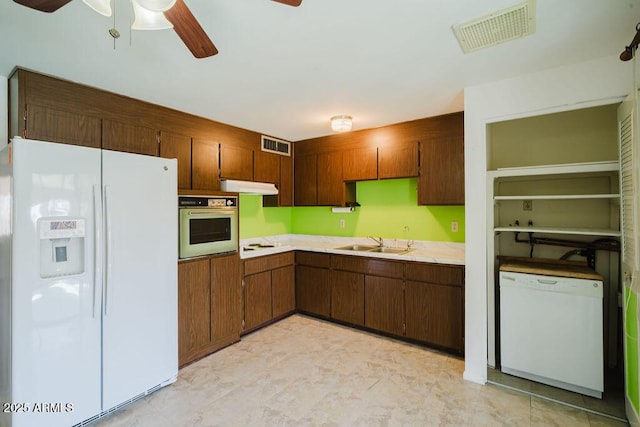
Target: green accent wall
column 256, row 221
column 631, row 347
column 387, row 206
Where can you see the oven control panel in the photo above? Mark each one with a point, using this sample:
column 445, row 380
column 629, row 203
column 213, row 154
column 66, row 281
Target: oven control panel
column 207, row 202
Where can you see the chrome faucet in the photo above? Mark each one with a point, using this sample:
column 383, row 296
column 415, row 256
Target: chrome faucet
column 409, row 242
column 378, row 241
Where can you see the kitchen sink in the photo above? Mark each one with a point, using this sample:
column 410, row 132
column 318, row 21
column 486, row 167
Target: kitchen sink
column 385, row 250
column 357, row 247
column 378, row 249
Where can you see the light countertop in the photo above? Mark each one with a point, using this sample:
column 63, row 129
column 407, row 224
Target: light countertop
column 422, row 251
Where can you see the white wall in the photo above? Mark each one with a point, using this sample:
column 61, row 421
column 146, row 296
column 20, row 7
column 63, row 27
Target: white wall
column 4, row 115
column 591, row 83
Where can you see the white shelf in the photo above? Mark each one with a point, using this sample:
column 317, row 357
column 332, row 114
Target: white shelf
column 562, row 230
column 568, row 168
column 559, row 197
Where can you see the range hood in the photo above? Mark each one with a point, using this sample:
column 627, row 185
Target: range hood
column 248, row 187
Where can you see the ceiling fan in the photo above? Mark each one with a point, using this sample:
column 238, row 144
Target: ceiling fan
column 179, row 15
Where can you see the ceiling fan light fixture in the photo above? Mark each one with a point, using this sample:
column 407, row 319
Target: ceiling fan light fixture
column 157, row 5
column 146, row 19
column 103, row 7
column 342, row 123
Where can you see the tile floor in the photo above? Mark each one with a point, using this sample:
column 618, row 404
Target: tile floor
column 306, row 372
column 612, row 402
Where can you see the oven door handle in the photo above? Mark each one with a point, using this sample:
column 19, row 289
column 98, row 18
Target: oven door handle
column 209, row 212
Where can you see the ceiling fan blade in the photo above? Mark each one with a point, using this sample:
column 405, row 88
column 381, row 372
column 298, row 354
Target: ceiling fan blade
column 43, row 5
column 190, row 31
column 294, row 3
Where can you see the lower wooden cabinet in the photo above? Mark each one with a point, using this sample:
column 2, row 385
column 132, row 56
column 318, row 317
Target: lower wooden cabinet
column 209, row 306
column 347, row 297
column 384, row 304
column 226, row 299
column 313, row 289
column 283, row 290
column 257, row 299
column 434, row 314
column 269, row 289
column 194, row 309
column 435, row 304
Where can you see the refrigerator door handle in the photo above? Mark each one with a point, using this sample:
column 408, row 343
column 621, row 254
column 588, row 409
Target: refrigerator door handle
column 96, row 244
column 107, row 257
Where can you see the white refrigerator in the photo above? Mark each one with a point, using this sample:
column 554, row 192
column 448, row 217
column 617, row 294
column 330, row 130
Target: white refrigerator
column 88, row 281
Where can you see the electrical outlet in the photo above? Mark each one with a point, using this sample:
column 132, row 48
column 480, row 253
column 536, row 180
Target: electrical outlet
column 527, row 205
column 342, row 223
column 454, row 226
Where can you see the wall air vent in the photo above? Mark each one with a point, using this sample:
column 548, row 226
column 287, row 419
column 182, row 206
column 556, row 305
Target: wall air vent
column 498, row 27
column 277, row 146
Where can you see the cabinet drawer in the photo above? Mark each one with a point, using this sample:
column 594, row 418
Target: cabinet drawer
column 435, row 273
column 369, row 266
column 268, row 262
column 313, row 259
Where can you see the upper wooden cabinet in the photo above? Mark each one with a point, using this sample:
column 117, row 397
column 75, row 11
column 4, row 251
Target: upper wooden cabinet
column 360, row 164
column 431, row 149
column 236, row 162
column 306, row 185
column 285, row 190
column 176, row 146
column 266, row 167
column 205, row 174
column 121, row 136
column 331, row 189
column 49, row 124
column 441, row 179
column 398, row 161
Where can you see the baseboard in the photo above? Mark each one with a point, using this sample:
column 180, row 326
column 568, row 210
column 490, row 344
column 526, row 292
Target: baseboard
column 632, row 415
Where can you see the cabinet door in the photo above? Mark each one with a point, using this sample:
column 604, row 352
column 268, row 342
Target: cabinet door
column 331, row 188
column 305, row 186
column 313, row 292
column 441, row 179
column 204, row 172
column 398, row 161
column 130, row 138
column 236, row 162
column 266, row 167
column 360, row 164
column 435, row 314
column 283, row 290
column 48, row 124
column 384, row 304
column 285, row 191
column 176, row 146
column 226, row 299
column 347, row 297
column 194, row 309
column 257, row 299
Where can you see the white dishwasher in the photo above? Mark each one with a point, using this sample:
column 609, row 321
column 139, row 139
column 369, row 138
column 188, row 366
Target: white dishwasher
column 551, row 330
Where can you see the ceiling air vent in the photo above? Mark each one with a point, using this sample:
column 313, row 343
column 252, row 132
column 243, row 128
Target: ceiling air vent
column 498, row 27
column 277, row 146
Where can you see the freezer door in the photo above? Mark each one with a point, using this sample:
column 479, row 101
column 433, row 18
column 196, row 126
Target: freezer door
column 140, row 318
column 55, row 319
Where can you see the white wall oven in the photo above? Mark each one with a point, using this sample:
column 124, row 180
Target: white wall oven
column 208, row 225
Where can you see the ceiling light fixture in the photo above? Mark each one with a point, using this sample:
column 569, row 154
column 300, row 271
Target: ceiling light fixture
column 146, row 19
column 342, row 123
column 103, row 7
column 157, row 5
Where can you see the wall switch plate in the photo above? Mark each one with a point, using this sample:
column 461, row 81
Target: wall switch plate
column 527, row 205
column 454, row 226
column 342, row 223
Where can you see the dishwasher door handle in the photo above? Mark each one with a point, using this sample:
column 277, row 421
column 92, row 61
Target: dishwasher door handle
column 547, row 282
